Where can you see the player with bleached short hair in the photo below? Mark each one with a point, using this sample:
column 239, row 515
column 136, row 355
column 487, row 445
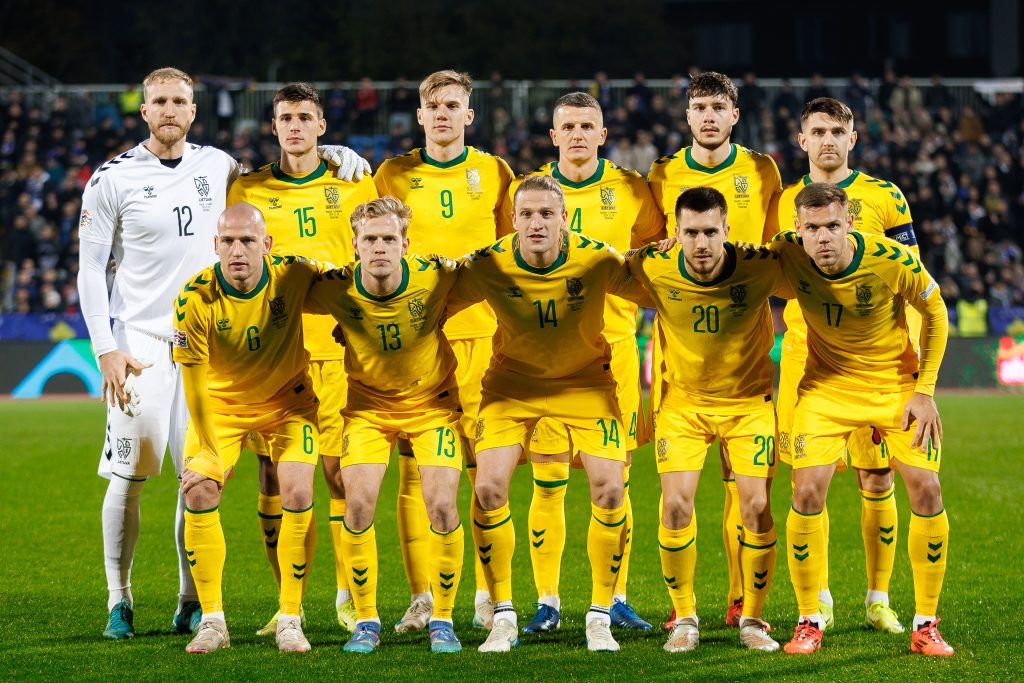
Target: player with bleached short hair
column 613, row 205
column 863, row 371
column 401, row 383
column 238, row 341
column 547, row 286
column 716, row 334
column 458, row 198
column 154, row 209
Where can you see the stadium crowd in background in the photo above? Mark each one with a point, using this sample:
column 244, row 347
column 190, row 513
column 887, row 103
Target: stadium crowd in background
column 960, row 166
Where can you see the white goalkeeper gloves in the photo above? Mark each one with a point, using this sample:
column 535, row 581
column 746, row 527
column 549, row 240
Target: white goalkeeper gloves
column 350, row 165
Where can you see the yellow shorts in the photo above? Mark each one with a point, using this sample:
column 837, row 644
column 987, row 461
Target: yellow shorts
column 589, row 413
column 826, row 418
column 473, row 356
column 433, row 433
column 291, row 434
column 682, row 438
column 550, row 437
column 330, row 384
column 867, row 450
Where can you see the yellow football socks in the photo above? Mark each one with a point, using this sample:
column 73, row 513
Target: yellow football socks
column 757, row 557
column 878, row 520
column 805, row 540
column 732, row 527
column 547, row 524
column 360, row 550
column 446, row 553
column 478, row 569
column 823, row 578
column 293, row 557
column 206, row 550
column 604, row 547
column 928, row 546
column 495, row 537
column 269, row 511
column 413, row 525
column 678, row 549
column 337, row 520
column 619, row 589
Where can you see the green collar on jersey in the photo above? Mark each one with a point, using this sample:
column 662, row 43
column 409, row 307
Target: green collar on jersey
column 298, row 180
column 845, row 183
column 583, row 183
column 563, row 256
column 692, row 163
column 854, row 264
column 444, row 164
column 402, row 286
column 727, row 271
column 234, row 293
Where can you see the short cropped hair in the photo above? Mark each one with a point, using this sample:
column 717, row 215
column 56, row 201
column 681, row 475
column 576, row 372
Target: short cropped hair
column 581, row 100
column 167, row 73
column 299, row 92
column 713, row 84
column 539, row 183
column 384, row 206
column 819, row 195
column 830, row 107
column 438, row 80
column 701, row 199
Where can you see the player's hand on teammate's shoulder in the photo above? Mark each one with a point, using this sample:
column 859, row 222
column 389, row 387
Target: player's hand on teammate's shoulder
column 351, row 166
column 921, row 408
column 667, row 243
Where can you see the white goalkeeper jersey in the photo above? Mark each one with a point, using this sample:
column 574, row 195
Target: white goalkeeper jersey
column 159, row 222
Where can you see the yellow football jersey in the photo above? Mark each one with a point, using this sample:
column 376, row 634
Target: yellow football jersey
column 615, row 206
column 307, row 215
column 550, row 320
column 857, row 329
column 715, row 336
column 457, row 206
column 748, row 179
column 878, row 208
column 253, row 341
column 397, row 357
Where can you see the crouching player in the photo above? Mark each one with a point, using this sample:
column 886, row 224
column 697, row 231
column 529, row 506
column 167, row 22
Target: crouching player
column 401, row 384
column 238, row 338
column 716, row 333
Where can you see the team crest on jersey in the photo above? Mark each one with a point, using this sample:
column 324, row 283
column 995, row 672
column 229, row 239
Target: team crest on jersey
column 514, row 292
column 415, row 183
column 180, row 339
column 355, row 314
column 574, row 286
column 418, row 311
column 479, row 429
column 86, row 220
column 344, row 446
column 663, row 449
column 673, row 295
column 855, row 207
column 333, row 196
column 607, row 198
column 278, row 314
column 805, row 286
column 202, row 186
column 799, row 446
column 741, row 184
column 150, row 192
column 473, row 180
column 223, row 324
column 863, row 295
column 275, row 203
column 124, row 451
column 738, row 294
column 784, row 442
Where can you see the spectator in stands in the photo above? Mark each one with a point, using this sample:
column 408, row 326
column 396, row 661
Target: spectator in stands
column 367, row 105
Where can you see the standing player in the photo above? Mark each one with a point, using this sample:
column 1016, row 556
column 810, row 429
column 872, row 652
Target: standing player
column 238, row 339
column 878, row 208
column 547, row 287
column 615, row 206
column 863, row 371
column 457, row 195
column 716, row 327
column 154, row 208
column 308, row 211
column 401, row 375
column 748, row 180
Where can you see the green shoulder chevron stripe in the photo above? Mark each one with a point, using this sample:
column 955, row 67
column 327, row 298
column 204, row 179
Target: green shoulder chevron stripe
column 200, row 281
column 896, row 253
column 190, row 288
column 909, row 261
column 276, row 260
column 423, row 264
column 902, row 208
column 182, row 301
column 498, row 248
column 885, row 185
column 584, row 242
column 881, row 249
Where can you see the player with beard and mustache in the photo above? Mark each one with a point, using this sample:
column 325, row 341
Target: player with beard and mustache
column 154, row 209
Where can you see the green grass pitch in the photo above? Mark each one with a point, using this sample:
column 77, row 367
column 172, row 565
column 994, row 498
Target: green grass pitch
column 53, row 598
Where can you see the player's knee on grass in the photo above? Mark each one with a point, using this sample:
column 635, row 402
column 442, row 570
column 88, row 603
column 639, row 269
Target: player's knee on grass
column 491, row 494
column 923, row 490
column 809, row 497
column 677, row 509
column 875, row 481
column 606, row 477
column 205, row 495
column 332, row 475
column 755, row 507
column 296, row 482
column 267, row 473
